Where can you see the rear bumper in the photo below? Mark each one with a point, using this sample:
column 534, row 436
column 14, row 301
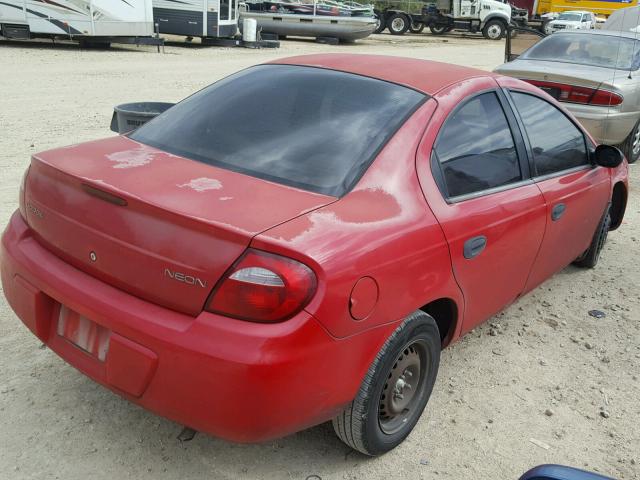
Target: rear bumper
column 611, row 128
column 236, row 380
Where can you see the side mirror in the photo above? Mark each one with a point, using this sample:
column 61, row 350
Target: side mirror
column 608, row 156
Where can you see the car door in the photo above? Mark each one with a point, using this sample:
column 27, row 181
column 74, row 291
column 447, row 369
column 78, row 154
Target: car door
column 491, row 213
column 576, row 192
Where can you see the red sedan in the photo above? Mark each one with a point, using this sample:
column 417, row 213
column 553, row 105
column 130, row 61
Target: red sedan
column 297, row 242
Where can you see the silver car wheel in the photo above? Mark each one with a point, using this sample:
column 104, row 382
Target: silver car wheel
column 635, row 143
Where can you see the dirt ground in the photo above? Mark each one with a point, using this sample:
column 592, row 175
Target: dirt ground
column 543, row 382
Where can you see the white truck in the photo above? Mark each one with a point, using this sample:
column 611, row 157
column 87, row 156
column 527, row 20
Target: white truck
column 93, row 22
column 491, row 17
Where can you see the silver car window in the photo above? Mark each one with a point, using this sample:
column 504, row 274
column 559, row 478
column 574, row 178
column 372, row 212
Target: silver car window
column 584, row 49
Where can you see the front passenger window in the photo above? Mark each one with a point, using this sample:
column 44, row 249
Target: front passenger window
column 557, row 144
column 475, row 148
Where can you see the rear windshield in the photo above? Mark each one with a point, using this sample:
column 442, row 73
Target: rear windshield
column 306, row 127
column 571, row 17
column 584, row 49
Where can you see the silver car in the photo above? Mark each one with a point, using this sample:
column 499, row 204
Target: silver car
column 595, row 73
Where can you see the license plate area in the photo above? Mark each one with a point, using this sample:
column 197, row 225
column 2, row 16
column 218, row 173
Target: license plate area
column 83, row 333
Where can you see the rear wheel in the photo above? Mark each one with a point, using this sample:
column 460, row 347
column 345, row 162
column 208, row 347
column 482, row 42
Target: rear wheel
column 589, row 259
column 380, row 23
column 416, row 27
column 395, row 390
column 438, row 29
column 494, row 30
column 631, row 146
column 398, row 24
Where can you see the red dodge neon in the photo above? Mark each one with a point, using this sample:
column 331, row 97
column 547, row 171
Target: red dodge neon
column 297, row 242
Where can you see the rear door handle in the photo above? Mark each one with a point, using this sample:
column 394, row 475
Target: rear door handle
column 474, row 246
column 557, row 211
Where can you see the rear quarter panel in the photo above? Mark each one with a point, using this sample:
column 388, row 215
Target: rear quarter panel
column 382, row 229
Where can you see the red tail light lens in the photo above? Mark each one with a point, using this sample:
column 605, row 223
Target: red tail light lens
column 573, row 94
column 263, row 287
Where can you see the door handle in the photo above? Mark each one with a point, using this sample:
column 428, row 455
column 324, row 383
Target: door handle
column 474, row 246
column 557, row 211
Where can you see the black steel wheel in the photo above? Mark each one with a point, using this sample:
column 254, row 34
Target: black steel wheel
column 395, row 390
column 397, row 23
column 589, row 259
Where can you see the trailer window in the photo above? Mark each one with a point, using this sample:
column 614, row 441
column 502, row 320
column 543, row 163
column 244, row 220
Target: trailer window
column 224, row 9
column 307, row 127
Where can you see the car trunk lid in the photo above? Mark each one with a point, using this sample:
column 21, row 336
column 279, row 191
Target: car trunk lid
column 159, row 226
column 565, row 73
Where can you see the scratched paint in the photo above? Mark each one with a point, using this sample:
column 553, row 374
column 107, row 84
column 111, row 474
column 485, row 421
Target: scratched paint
column 131, row 158
column 203, row 184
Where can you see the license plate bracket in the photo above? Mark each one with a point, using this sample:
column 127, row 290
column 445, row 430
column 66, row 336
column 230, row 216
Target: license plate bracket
column 83, row 333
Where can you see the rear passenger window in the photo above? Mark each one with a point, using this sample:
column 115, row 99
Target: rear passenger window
column 556, row 142
column 475, row 148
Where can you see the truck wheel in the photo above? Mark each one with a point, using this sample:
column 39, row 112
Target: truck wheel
column 416, row 27
column 380, row 24
column 395, row 390
column 397, row 24
column 438, row 29
column 494, row 30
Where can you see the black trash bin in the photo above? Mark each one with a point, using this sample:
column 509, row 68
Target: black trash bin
column 129, row 116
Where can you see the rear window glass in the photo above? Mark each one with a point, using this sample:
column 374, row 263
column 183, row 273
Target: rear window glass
column 587, row 49
column 306, row 127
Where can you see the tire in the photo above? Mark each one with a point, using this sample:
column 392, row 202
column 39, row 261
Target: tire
column 494, row 30
column 369, row 424
column 416, row 27
column 438, row 29
column 380, row 24
column 398, row 24
column 589, row 259
column 631, row 146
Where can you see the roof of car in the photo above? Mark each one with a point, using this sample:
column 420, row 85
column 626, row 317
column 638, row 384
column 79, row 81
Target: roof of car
column 424, row 75
column 611, row 33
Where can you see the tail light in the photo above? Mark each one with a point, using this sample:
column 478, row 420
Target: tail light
column 584, row 95
column 21, row 201
column 263, row 287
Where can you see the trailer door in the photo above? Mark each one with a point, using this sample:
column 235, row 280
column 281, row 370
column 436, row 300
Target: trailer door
column 228, row 18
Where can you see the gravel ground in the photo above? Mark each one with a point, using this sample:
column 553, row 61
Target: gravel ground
column 543, row 382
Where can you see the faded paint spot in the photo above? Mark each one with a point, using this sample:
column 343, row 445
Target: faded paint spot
column 203, row 184
column 225, row 198
column 131, row 158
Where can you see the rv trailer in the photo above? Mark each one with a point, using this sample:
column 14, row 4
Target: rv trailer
column 89, row 21
column 197, row 18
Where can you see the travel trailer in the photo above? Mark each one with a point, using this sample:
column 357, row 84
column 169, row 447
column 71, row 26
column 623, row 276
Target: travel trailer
column 91, row 21
column 197, row 18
